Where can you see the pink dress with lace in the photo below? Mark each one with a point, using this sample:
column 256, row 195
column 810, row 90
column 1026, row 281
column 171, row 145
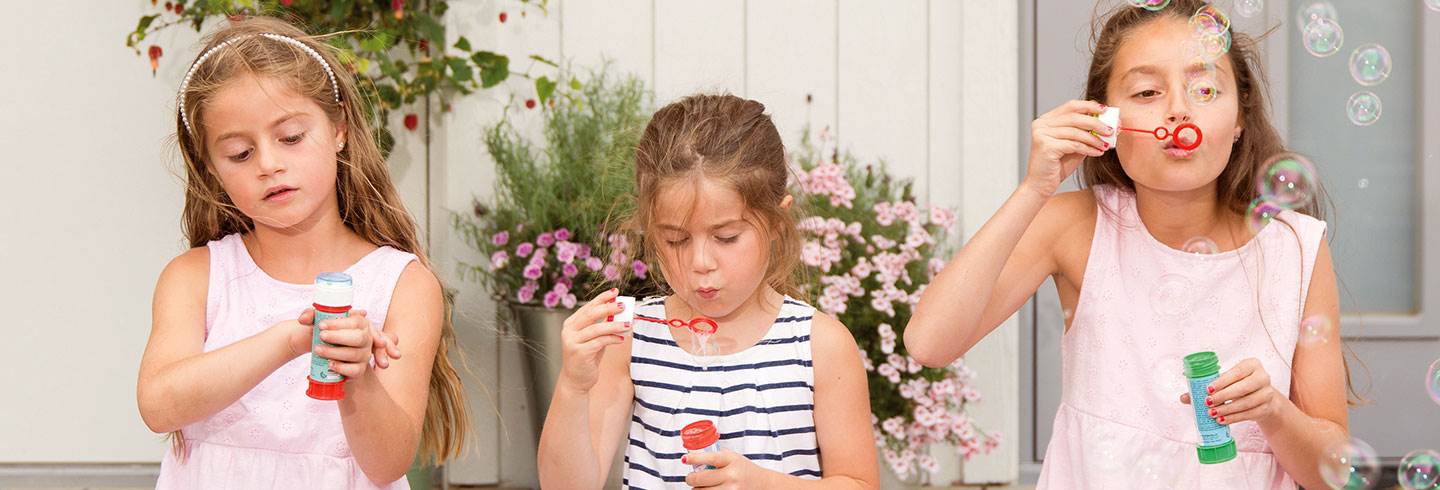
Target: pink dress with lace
column 1143, row 306
column 274, row 436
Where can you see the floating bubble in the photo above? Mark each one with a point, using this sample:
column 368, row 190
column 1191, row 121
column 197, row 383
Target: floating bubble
column 1433, row 5
column 1200, row 246
column 1432, row 381
column 1363, row 108
column 1201, row 91
column 1168, row 296
column 1322, row 37
column 1370, row 64
column 1286, row 180
column 1211, row 47
column 1350, row 464
column 1209, row 20
column 1151, row 5
column 1260, row 213
column 1315, row 330
column 1308, row 12
column 1419, row 470
column 1363, row 183
column 1248, row 8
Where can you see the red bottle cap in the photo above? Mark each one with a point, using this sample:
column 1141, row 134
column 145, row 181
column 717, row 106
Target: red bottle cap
column 325, row 391
column 699, row 435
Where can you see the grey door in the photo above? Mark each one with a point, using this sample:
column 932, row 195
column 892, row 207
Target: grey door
column 1384, row 180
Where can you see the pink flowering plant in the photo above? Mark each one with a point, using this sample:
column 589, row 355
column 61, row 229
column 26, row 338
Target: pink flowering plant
column 543, row 237
column 870, row 250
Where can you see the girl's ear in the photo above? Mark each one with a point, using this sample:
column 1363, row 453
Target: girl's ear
column 786, row 202
column 340, row 130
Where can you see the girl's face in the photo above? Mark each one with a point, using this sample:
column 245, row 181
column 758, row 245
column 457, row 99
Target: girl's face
column 1148, row 82
column 273, row 150
column 712, row 257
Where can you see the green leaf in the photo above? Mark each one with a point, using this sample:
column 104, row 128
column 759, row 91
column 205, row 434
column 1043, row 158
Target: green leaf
column 544, row 87
column 494, row 68
column 388, row 95
column 463, row 44
column 139, row 34
column 542, row 59
column 460, row 68
column 429, row 28
column 574, row 83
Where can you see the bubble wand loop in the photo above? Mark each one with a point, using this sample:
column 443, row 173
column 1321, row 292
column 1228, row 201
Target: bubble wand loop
column 1161, row 133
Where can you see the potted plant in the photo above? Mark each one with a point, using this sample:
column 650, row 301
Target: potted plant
column 870, row 250
column 544, row 232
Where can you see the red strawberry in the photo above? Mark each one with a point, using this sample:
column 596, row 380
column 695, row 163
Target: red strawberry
column 399, row 7
column 179, row 9
column 503, row 17
column 425, row 45
column 529, row 103
column 169, row 6
column 286, row 2
column 155, row 53
column 412, row 121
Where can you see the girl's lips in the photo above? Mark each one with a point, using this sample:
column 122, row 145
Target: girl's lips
column 707, row 293
column 1178, row 153
column 281, row 196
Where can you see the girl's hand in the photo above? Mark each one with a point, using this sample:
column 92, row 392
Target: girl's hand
column 732, row 471
column 584, row 338
column 1060, row 140
column 1242, row 393
column 353, row 342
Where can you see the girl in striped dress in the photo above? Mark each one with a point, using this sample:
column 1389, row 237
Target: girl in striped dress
column 782, row 384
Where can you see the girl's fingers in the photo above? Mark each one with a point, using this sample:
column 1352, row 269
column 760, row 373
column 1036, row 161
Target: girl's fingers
column 601, row 342
column 349, row 369
column 392, row 344
column 342, row 354
column 1077, row 135
column 1239, row 406
column 353, row 321
column 1226, row 389
column 353, row 337
column 600, row 330
column 1075, row 107
column 1241, row 371
column 307, row 317
column 597, row 309
column 1083, row 122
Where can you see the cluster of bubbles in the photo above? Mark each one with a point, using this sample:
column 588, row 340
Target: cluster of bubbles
column 1419, row 469
column 1210, row 29
column 1350, row 464
column 1370, row 64
column 1285, row 181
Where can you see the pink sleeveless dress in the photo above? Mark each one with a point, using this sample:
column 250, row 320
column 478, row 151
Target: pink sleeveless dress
column 1143, row 306
column 275, row 436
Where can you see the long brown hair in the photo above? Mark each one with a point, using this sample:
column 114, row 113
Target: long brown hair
column 731, row 140
column 369, row 204
column 1234, row 187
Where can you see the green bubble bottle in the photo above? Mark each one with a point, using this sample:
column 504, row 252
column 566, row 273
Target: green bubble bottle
column 1216, row 446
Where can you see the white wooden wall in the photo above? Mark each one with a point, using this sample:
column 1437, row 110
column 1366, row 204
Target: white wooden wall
column 910, row 82
column 926, row 84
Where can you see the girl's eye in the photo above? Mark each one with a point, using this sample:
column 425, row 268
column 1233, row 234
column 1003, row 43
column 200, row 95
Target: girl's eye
column 728, row 239
column 676, row 243
column 290, row 140
column 240, row 157
column 1147, row 93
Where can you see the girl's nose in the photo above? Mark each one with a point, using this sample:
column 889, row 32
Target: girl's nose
column 702, row 258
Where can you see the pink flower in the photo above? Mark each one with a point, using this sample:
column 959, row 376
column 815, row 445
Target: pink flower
column 593, row 263
column 570, row 270
column 568, row 301
column 562, row 234
column 584, row 252
column 887, row 345
column 618, row 241
column 565, row 251
column 500, row 239
column 551, row 299
column 639, row 268
column 527, row 292
column 524, row 249
column 561, row 288
column 942, row 217
column 532, row 272
column 498, row 259
column 545, row 239
column 612, row 273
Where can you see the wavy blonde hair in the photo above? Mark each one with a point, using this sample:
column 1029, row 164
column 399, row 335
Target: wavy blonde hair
column 369, row 204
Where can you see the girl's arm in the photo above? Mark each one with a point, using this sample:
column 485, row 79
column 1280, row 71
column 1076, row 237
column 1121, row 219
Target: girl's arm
column 591, row 405
column 383, row 411
column 179, row 384
column 1300, row 429
column 1003, row 264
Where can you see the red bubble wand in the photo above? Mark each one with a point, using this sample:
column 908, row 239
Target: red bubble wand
column 1162, row 132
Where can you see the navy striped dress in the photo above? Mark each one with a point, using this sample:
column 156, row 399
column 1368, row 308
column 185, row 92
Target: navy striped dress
column 761, row 399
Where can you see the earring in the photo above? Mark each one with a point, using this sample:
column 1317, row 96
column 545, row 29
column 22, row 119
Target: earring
column 340, row 147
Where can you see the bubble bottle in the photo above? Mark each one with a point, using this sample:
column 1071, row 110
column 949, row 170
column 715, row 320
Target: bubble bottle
column 1216, row 446
column 701, row 436
column 333, row 294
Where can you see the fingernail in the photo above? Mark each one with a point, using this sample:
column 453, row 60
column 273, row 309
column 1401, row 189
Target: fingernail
column 1210, row 390
column 1105, row 145
column 1209, row 401
column 685, row 460
column 1213, row 412
column 1102, row 107
column 627, row 324
column 1221, row 419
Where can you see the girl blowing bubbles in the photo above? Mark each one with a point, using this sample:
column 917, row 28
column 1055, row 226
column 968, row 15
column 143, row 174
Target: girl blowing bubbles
column 1120, row 408
column 782, row 384
column 284, row 181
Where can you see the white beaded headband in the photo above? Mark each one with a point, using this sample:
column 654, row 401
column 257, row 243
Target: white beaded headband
column 180, row 99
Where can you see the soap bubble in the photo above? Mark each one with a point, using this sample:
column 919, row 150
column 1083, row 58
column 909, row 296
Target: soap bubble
column 1363, row 108
column 1363, row 183
column 1168, row 296
column 1211, row 47
column 1308, row 12
column 1260, row 213
column 1350, row 464
column 1286, row 180
column 1315, row 330
column 1419, row 470
column 1200, row 246
column 1201, row 91
column 1433, row 5
column 1248, row 8
column 1209, row 20
column 1432, row 381
column 1322, row 37
column 1370, row 64
column 1151, row 5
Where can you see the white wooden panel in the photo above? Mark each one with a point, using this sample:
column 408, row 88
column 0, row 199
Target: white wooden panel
column 699, row 47
column 991, row 120
column 883, row 85
column 790, row 49
column 620, row 31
